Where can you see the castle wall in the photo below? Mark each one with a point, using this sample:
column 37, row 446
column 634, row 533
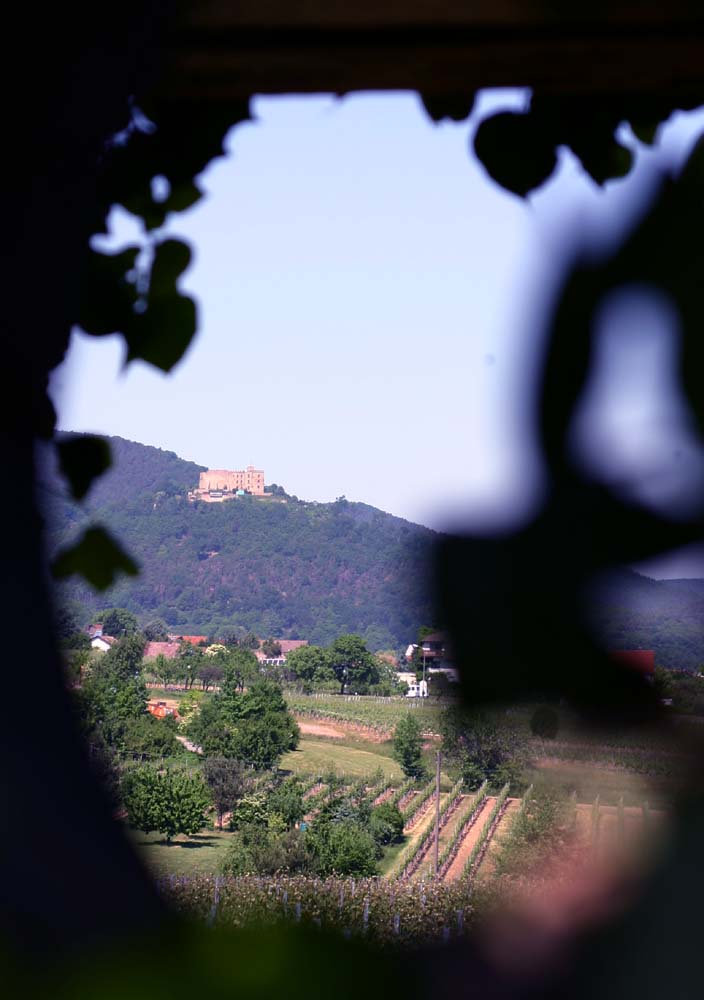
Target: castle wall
column 249, row 479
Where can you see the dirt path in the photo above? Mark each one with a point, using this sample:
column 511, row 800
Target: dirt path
column 193, row 747
column 457, row 867
column 309, row 728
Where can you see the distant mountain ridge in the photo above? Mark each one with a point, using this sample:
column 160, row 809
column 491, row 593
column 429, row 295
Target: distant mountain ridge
column 301, row 569
column 631, row 611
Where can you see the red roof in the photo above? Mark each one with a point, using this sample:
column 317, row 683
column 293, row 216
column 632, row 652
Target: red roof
column 289, row 644
column 642, row 660
column 167, row 649
column 194, row 640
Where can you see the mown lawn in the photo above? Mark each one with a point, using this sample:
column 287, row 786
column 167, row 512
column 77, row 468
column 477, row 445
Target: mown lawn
column 200, row 854
column 315, row 755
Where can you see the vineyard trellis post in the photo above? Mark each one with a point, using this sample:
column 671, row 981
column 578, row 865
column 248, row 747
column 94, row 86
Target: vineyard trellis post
column 437, row 811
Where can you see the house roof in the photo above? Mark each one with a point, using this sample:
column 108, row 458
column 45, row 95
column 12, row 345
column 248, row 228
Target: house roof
column 435, row 637
column 287, row 645
column 109, row 639
column 194, row 640
column 167, row 649
column 642, row 660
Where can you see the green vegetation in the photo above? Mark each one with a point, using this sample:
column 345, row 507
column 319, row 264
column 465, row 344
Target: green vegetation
column 408, row 747
column 534, row 827
column 380, row 714
column 483, row 746
column 253, row 726
column 166, row 800
column 318, row 756
column 208, row 567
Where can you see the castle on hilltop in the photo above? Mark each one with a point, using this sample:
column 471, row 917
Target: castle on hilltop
column 217, row 485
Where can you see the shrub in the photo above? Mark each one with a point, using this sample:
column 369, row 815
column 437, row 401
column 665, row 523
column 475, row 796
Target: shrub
column 545, row 722
column 170, row 801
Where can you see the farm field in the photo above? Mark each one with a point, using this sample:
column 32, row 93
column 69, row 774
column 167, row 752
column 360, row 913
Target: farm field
column 379, row 714
column 356, row 761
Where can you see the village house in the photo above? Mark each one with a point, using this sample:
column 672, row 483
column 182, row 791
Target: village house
column 436, row 655
column 102, row 642
column 287, row 646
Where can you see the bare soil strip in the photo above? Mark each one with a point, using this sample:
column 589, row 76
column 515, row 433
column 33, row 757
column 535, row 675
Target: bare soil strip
column 457, row 867
column 341, row 728
column 447, row 832
column 407, row 799
column 318, row 787
column 418, row 818
column 320, row 729
column 383, row 797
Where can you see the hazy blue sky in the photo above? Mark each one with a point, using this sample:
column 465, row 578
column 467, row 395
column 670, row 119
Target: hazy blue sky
column 365, row 296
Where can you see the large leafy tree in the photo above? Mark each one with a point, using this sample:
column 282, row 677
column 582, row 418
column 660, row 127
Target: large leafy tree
column 125, row 657
column 255, row 726
column 482, row 744
column 119, row 622
column 227, row 780
column 352, row 663
column 310, row 664
column 170, row 801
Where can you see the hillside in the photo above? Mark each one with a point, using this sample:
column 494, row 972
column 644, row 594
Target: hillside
column 300, row 569
column 293, row 569
column 631, row 611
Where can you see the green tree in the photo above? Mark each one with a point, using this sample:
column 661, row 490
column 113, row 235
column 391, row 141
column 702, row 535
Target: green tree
column 124, row 659
column 249, row 641
column 119, row 622
column 255, row 726
column 147, row 737
column 343, row 848
column 310, row 664
column 155, row 631
column 271, row 648
column 386, row 823
column 408, row 746
column 482, row 745
column 286, row 801
column 170, row 801
column 352, row 663
column 227, row 781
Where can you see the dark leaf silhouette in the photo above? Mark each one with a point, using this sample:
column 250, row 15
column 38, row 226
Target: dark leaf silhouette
column 97, row 557
column 82, row 460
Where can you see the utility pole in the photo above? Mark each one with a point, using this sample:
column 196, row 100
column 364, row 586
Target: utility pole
column 437, row 811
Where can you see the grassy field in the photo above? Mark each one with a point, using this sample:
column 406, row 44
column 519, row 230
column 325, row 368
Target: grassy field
column 200, row 854
column 354, row 759
column 589, row 780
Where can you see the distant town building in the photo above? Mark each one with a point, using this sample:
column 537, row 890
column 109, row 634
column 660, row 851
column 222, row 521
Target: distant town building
column 217, row 485
column 102, row 642
column 287, row 646
column 435, row 655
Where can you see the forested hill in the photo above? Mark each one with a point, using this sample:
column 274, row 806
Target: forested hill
column 292, row 569
column 632, row 611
